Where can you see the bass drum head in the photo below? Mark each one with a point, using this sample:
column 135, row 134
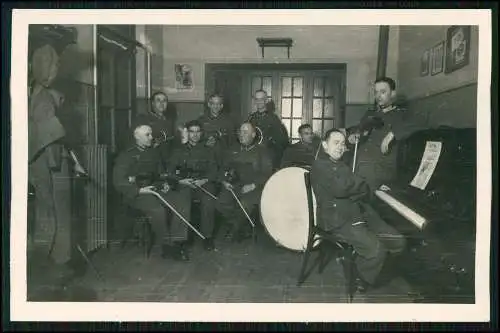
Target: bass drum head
column 284, row 209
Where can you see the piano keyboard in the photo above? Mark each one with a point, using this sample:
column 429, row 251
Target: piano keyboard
column 402, row 209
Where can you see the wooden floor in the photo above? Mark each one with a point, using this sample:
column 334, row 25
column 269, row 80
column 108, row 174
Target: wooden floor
column 245, row 272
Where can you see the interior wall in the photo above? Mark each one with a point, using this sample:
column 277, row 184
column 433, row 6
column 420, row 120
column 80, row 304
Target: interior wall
column 444, row 99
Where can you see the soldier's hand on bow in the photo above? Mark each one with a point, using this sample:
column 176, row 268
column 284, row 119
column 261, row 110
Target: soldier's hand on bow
column 247, row 188
column 146, row 189
column 384, row 147
column 187, row 182
column 79, row 169
column 353, row 138
column 165, row 188
column 200, row 182
column 384, row 188
column 211, row 141
column 227, row 185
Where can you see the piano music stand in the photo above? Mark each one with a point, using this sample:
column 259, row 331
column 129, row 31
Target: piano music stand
column 345, row 252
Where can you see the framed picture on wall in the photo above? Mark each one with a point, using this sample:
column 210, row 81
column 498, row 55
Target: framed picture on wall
column 424, row 63
column 437, row 58
column 457, row 47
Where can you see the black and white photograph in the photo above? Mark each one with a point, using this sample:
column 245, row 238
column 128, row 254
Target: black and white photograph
column 325, row 176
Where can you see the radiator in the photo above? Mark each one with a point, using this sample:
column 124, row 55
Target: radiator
column 96, row 162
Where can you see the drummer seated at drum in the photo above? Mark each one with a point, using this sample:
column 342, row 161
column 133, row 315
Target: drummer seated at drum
column 245, row 169
column 302, row 153
column 343, row 208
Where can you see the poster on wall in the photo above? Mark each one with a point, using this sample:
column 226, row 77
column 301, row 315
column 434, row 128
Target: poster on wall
column 457, row 48
column 183, row 77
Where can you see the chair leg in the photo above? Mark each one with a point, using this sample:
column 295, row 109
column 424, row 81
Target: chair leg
column 352, row 275
column 324, row 259
column 305, row 260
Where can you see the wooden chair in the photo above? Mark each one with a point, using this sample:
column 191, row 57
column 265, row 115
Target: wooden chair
column 329, row 245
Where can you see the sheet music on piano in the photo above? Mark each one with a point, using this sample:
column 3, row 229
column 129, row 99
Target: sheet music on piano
column 428, row 164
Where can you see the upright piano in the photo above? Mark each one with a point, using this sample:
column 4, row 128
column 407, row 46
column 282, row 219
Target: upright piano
column 432, row 201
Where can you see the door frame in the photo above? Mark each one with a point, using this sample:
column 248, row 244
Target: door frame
column 339, row 70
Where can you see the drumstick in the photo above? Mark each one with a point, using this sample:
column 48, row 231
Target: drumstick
column 317, row 150
column 354, row 158
column 242, row 208
column 175, row 211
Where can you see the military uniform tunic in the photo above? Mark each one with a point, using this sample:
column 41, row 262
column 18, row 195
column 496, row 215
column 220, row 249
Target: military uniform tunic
column 371, row 164
column 274, row 132
column 136, row 168
column 251, row 165
column 197, row 162
column 342, row 208
column 223, row 129
column 163, row 132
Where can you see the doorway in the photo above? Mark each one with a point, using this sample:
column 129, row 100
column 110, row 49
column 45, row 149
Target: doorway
column 302, row 93
column 116, row 93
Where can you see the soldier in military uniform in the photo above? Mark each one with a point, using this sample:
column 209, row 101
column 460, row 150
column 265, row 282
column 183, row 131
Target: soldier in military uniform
column 246, row 168
column 162, row 124
column 194, row 165
column 343, row 209
column 378, row 133
column 218, row 127
column 304, row 152
column 138, row 169
column 274, row 132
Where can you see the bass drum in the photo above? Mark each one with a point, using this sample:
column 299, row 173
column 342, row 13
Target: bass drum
column 284, row 209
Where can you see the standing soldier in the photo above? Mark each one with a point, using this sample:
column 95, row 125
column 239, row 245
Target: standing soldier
column 138, row 170
column 161, row 123
column 194, row 165
column 274, row 133
column 246, row 169
column 377, row 133
column 218, row 127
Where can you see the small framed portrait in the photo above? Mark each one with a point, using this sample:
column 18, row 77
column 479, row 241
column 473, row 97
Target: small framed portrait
column 457, row 48
column 424, row 63
column 437, row 58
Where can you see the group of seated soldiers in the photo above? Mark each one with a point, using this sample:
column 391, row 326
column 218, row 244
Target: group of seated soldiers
column 223, row 167
column 227, row 173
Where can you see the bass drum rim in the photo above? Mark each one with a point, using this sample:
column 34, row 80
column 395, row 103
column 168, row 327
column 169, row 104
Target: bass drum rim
column 266, row 227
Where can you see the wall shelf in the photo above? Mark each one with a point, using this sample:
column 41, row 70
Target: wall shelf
column 275, row 42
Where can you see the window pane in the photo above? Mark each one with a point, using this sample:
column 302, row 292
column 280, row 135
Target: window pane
column 295, row 127
column 317, row 126
column 295, row 140
column 317, row 108
column 329, row 91
column 286, row 87
column 328, row 108
column 318, row 87
column 267, row 85
column 256, row 84
column 297, row 107
column 286, row 108
column 297, row 87
column 327, row 124
column 286, row 123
